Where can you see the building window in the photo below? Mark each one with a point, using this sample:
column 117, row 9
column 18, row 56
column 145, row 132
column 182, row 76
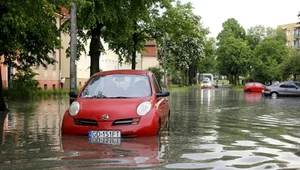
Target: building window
column 296, row 44
column 288, row 32
column 288, row 43
column 53, row 86
column 45, row 86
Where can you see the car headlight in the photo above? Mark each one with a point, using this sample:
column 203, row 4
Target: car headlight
column 143, row 108
column 74, row 108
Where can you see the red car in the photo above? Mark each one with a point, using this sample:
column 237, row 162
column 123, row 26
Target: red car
column 253, row 87
column 118, row 103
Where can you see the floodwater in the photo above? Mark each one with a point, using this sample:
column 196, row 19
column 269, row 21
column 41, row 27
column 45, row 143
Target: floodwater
column 209, row 129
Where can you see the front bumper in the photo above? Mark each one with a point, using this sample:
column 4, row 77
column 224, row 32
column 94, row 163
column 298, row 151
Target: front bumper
column 147, row 126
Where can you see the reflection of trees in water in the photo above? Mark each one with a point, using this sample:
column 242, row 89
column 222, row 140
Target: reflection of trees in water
column 33, row 129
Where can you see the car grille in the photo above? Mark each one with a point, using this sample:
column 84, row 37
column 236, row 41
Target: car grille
column 133, row 121
column 85, row 122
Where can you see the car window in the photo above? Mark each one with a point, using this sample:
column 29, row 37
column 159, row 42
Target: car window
column 157, row 87
column 297, row 84
column 258, row 84
column 118, row 85
column 250, row 84
column 287, row 86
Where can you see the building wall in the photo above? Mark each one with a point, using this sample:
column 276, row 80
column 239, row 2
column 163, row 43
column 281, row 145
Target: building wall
column 149, row 55
column 4, row 73
column 292, row 34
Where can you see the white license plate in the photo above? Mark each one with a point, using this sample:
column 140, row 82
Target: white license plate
column 104, row 134
column 106, row 141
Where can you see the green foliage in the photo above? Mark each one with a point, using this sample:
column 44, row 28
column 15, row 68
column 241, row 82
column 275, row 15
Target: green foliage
column 233, row 52
column 268, row 54
column 185, row 39
column 157, row 72
column 121, row 24
column 208, row 63
column 290, row 66
column 28, row 32
column 231, row 28
column 23, row 84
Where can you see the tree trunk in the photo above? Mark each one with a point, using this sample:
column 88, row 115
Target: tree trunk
column 182, row 78
column 95, row 48
column 135, row 42
column 3, row 107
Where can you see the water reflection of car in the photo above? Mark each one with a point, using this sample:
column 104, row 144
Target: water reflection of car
column 118, row 103
column 206, row 84
column 288, row 88
column 253, row 87
column 252, row 97
column 131, row 152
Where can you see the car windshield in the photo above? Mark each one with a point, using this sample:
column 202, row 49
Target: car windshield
column 205, row 81
column 117, row 86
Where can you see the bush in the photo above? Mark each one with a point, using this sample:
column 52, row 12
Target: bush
column 23, row 84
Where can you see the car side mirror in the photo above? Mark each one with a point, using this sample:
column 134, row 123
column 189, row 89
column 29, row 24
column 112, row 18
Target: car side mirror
column 73, row 94
column 163, row 93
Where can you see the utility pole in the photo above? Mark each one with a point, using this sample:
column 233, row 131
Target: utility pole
column 165, row 64
column 73, row 49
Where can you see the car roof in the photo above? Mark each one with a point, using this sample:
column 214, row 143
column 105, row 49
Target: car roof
column 124, row 71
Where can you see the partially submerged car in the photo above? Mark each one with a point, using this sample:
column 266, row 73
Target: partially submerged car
column 253, row 87
column 288, row 88
column 118, row 103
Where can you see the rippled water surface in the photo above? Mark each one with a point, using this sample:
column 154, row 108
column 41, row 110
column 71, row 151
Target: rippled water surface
column 209, row 129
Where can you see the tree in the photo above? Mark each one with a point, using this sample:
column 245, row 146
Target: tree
column 268, row 55
column 255, row 35
column 269, row 52
column 290, row 66
column 233, row 53
column 119, row 23
column 231, row 28
column 28, row 34
column 233, row 58
column 208, row 63
column 185, row 40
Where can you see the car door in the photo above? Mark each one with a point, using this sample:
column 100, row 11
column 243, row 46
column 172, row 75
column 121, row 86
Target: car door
column 293, row 90
column 288, row 89
column 162, row 102
column 282, row 89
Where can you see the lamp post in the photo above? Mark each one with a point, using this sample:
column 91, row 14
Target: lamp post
column 73, row 46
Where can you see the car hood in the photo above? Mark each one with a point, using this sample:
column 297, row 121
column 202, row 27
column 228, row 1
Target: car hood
column 114, row 108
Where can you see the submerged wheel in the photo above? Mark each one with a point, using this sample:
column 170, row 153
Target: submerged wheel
column 248, row 90
column 274, row 95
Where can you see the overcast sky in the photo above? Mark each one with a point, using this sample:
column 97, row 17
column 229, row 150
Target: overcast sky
column 247, row 12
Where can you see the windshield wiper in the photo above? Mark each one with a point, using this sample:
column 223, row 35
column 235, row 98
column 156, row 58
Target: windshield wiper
column 95, row 97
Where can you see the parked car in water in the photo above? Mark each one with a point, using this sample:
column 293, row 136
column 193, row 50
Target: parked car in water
column 288, row 88
column 118, row 103
column 253, row 87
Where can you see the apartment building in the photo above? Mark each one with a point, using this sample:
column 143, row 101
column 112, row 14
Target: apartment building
column 292, row 31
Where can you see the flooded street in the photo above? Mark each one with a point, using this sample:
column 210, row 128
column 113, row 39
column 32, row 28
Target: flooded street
column 209, row 129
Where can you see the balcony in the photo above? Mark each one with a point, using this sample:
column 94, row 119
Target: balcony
column 296, row 36
column 296, row 46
